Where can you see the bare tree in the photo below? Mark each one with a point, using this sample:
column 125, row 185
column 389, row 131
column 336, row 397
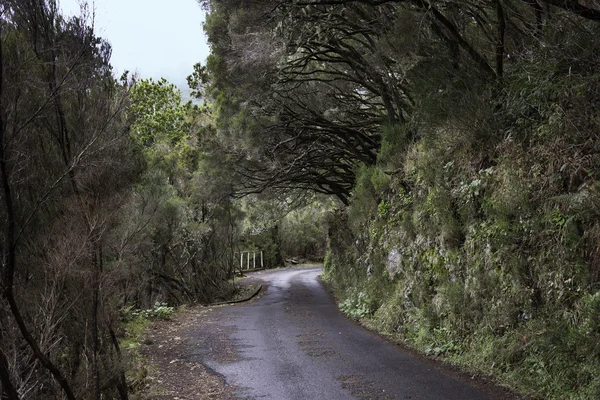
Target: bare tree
column 60, row 135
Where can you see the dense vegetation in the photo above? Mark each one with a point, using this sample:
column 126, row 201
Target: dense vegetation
column 458, row 142
column 115, row 206
column 461, row 139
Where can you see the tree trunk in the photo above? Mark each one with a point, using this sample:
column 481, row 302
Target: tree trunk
column 97, row 265
column 8, row 390
column 122, row 384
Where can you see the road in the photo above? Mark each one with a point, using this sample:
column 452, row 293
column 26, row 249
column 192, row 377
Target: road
column 293, row 343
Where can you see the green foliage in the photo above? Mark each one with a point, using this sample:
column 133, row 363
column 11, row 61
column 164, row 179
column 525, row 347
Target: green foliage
column 357, row 306
column 268, row 242
column 303, row 231
column 368, row 181
column 481, row 247
column 158, row 311
column 63, row 142
column 286, row 227
column 157, row 113
column 162, row 125
column 188, row 226
column 395, row 139
column 471, row 228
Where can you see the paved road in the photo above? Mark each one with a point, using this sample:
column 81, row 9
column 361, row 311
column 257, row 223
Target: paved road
column 292, row 343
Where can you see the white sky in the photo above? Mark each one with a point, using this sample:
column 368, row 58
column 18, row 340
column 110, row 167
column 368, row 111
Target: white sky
column 156, row 38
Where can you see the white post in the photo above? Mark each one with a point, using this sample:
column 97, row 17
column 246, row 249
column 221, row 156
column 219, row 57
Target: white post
column 241, row 261
column 248, row 261
column 261, row 260
column 254, row 260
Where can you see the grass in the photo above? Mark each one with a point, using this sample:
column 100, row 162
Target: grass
column 135, row 324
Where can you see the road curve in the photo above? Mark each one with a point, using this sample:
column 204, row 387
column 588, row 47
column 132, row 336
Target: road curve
column 292, row 343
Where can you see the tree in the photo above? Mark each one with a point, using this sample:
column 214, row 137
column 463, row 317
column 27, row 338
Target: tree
column 191, row 224
column 61, row 142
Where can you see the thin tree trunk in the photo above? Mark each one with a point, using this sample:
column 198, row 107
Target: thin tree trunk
column 122, row 385
column 97, row 265
column 500, row 43
column 8, row 390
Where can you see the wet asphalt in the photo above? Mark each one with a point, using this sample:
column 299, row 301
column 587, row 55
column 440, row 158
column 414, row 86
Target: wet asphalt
column 293, row 343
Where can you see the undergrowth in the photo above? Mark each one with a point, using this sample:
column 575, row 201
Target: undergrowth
column 135, row 323
column 478, row 242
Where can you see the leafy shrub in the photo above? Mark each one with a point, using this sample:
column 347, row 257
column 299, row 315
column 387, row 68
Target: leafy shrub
column 158, row 311
column 497, row 242
column 357, row 307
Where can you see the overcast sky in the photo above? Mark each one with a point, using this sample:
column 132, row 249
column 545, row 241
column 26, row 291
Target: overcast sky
column 156, row 38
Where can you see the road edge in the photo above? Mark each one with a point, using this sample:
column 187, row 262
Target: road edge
column 248, row 298
column 486, row 384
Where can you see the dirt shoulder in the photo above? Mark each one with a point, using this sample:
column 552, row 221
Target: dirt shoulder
column 172, row 376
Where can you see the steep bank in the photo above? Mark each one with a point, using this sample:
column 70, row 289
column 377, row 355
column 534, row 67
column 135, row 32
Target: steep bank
column 479, row 241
